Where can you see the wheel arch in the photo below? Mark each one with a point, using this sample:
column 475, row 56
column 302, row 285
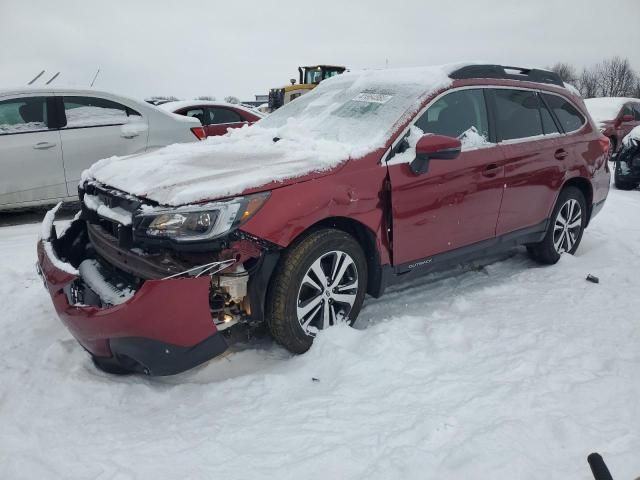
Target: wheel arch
column 584, row 185
column 366, row 238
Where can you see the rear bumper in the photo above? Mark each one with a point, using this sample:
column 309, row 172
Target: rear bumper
column 164, row 328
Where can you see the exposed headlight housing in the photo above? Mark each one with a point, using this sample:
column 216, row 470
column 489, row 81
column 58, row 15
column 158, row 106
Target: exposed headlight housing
column 199, row 222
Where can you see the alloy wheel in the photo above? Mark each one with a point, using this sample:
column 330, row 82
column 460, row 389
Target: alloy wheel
column 567, row 226
column 327, row 292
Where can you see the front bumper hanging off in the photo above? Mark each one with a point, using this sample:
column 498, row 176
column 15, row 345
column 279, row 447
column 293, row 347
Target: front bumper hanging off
column 165, row 327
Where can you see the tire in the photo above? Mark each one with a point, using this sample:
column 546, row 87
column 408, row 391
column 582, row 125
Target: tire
column 621, row 183
column 558, row 238
column 298, row 304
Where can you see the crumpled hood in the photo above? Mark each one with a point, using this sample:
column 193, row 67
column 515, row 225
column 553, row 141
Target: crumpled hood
column 244, row 159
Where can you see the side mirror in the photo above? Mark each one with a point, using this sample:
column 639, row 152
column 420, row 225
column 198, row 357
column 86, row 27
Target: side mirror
column 627, row 118
column 434, row 147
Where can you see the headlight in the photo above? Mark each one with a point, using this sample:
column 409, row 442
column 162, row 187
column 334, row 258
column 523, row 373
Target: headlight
column 199, row 222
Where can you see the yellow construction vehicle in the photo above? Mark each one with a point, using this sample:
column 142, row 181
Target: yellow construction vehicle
column 310, row 77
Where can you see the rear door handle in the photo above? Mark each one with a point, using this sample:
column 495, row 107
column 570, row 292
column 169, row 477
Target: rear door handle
column 491, row 170
column 129, row 135
column 561, row 154
column 43, row 145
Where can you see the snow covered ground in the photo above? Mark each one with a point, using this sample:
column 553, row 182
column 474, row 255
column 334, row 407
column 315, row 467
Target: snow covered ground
column 512, row 371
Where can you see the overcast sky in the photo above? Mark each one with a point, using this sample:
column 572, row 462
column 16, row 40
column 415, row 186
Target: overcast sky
column 244, row 47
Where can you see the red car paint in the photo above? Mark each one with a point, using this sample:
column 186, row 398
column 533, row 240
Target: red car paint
column 215, row 129
column 627, row 118
column 152, row 313
column 483, row 194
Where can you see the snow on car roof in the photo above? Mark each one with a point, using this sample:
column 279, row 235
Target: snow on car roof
column 179, row 104
column 606, row 108
column 345, row 117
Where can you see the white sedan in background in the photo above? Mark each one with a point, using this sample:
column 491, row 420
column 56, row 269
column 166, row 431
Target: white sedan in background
column 48, row 136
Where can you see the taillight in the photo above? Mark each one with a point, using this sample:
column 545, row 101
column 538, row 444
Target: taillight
column 199, row 132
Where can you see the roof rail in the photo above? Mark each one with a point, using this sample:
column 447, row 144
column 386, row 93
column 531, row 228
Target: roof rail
column 506, row 72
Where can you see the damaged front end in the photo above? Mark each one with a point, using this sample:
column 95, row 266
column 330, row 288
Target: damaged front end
column 137, row 295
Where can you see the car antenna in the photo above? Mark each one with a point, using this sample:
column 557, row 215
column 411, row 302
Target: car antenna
column 94, row 77
column 52, row 78
column 36, row 78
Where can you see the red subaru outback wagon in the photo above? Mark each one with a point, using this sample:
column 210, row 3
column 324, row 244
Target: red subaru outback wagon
column 370, row 179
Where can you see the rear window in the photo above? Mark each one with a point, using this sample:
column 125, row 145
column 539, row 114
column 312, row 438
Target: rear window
column 96, row 112
column 569, row 117
column 20, row 115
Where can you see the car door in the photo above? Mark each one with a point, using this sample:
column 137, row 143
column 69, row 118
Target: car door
column 456, row 202
column 536, row 154
column 30, row 151
column 98, row 128
column 220, row 119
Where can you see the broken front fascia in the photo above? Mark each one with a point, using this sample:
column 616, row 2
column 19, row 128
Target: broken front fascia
column 110, row 275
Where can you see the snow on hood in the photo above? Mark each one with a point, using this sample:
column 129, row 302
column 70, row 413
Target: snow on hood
column 345, row 117
column 605, row 108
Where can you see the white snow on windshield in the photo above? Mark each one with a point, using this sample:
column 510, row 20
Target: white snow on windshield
column 345, row 117
column 363, row 108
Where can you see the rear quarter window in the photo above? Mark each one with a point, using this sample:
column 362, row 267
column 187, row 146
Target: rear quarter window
column 569, row 116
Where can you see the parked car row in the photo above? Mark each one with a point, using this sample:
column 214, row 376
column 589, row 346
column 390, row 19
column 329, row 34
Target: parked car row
column 615, row 116
column 387, row 174
column 49, row 136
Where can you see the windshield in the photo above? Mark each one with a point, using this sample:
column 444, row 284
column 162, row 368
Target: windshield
column 359, row 109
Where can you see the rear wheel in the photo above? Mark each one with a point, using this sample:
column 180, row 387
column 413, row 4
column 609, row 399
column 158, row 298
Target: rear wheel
column 321, row 281
column 564, row 233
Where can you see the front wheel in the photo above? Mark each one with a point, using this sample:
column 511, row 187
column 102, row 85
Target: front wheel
column 568, row 221
column 320, row 281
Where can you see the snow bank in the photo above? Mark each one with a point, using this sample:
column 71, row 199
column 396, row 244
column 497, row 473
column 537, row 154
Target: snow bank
column 345, row 117
column 605, row 108
column 505, row 372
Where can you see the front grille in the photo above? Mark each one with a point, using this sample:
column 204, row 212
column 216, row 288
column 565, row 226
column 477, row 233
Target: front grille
column 112, row 198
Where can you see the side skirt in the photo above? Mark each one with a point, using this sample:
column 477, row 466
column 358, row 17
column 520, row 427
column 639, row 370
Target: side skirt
column 443, row 261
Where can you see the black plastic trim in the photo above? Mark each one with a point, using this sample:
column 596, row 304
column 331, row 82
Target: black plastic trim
column 523, row 236
column 500, row 72
column 156, row 358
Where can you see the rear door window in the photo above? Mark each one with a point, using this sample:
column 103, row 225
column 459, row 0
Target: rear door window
column 569, row 117
column 455, row 114
column 517, row 114
column 223, row 115
column 96, row 112
column 21, row 115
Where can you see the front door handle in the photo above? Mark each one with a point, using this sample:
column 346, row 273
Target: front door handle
column 129, row 135
column 491, row 170
column 561, row 154
column 43, row 145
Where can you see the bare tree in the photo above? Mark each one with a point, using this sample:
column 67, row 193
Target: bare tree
column 636, row 90
column 567, row 72
column 616, row 78
column 231, row 99
column 588, row 83
column 206, row 97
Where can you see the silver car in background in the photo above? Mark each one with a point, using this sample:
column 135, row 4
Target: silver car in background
column 48, row 136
